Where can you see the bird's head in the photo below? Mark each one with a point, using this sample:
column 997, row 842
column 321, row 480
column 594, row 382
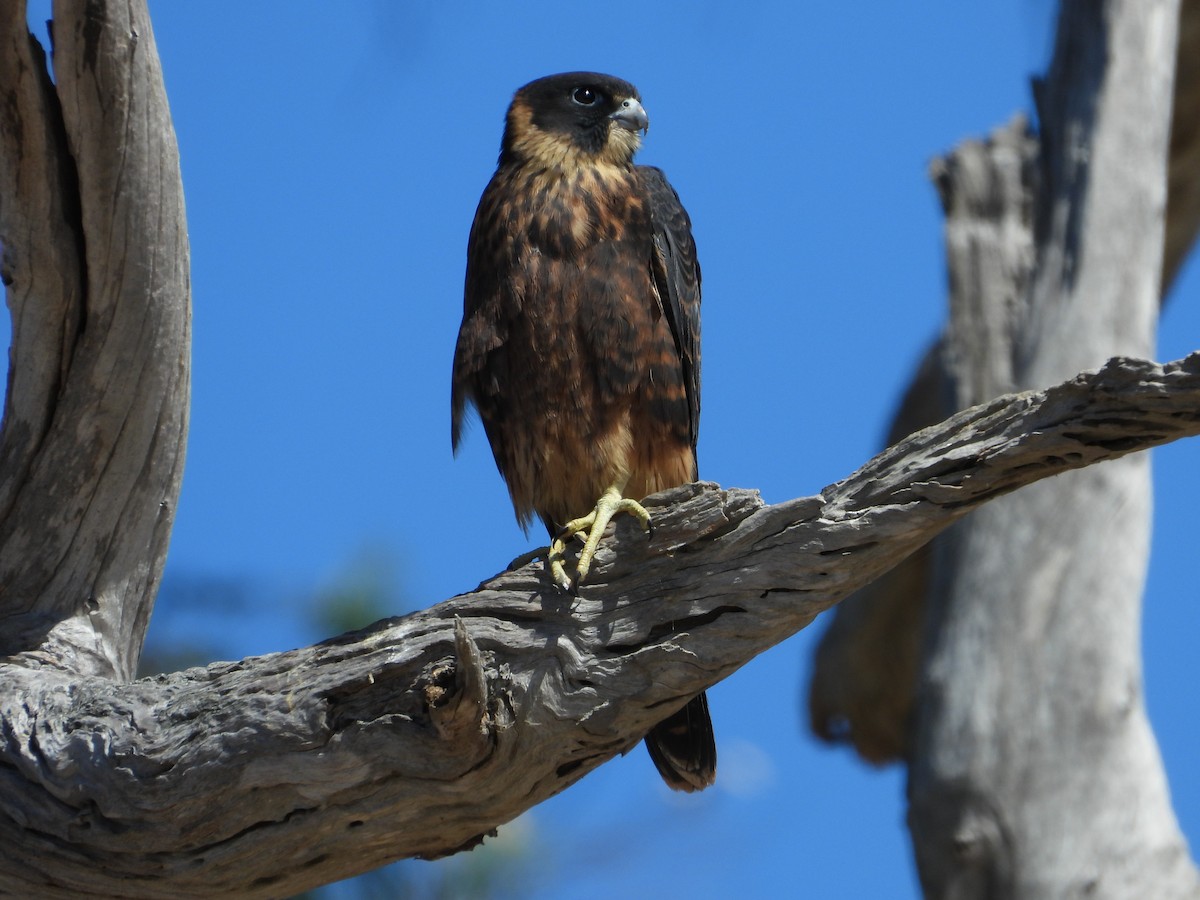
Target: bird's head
column 572, row 119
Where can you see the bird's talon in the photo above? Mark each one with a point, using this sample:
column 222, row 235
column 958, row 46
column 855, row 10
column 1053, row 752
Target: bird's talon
column 590, row 529
column 547, row 339
column 555, row 559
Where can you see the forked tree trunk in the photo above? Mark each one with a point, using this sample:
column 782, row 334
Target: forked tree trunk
column 1033, row 769
column 96, row 264
column 419, row 735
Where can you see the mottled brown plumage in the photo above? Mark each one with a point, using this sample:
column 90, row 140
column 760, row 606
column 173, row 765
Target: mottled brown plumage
column 580, row 339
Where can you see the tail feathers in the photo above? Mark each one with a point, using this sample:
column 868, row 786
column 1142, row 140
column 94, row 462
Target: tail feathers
column 683, row 748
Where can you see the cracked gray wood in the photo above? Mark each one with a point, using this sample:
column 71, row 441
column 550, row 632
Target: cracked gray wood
column 865, row 672
column 96, row 266
column 264, row 776
column 1055, row 248
column 418, row 735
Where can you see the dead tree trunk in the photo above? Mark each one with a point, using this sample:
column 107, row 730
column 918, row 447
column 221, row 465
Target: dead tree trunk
column 416, row 736
column 419, row 735
column 96, row 265
column 1033, row 770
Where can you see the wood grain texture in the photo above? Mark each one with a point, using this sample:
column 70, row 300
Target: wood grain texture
column 864, row 675
column 96, row 265
column 419, row 735
column 1030, row 739
column 1183, row 172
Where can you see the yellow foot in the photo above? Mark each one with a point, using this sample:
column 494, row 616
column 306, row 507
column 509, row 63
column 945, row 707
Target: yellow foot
column 594, row 524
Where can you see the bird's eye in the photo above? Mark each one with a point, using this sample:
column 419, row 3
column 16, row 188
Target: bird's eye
column 584, row 96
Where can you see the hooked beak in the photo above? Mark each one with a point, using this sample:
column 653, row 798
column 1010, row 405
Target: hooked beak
column 631, row 116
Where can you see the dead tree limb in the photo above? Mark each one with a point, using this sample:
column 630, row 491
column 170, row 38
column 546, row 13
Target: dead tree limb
column 1022, row 718
column 864, row 677
column 412, row 738
column 418, row 735
column 1031, row 740
column 96, row 266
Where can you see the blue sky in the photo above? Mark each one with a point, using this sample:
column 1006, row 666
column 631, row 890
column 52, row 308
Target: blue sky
column 332, row 159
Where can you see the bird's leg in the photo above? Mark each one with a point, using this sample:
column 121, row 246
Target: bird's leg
column 610, row 503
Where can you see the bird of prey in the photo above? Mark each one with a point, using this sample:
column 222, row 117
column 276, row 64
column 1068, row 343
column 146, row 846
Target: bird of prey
column 580, row 337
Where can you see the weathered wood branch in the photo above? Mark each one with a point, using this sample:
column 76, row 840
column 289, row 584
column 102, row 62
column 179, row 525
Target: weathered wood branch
column 414, row 737
column 1183, row 164
column 418, row 735
column 1025, row 730
column 864, row 676
column 96, row 266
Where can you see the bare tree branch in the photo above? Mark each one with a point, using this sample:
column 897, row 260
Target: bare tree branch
column 864, row 677
column 1031, row 740
column 419, row 735
column 96, row 264
column 864, row 672
column 1027, row 740
column 1183, row 178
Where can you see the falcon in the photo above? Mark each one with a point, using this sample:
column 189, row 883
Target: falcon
column 580, row 339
